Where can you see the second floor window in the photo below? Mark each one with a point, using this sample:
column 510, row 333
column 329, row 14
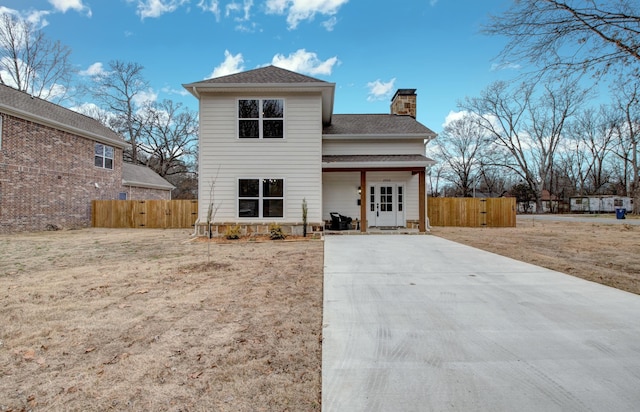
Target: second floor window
column 261, row 119
column 103, row 156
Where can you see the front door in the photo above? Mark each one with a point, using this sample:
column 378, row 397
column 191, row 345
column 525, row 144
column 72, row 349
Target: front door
column 385, row 200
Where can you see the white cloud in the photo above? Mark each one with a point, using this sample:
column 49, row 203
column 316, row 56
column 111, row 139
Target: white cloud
column 156, row 8
column 433, row 2
column 505, row 66
column 231, row 64
column 299, row 10
column 170, row 90
column 237, row 7
column 453, row 116
column 212, row 6
column 145, row 96
column 330, row 24
column 65, row 5
column 34, row 17
column 303, row 61
column 96, row 69
column 379, row 90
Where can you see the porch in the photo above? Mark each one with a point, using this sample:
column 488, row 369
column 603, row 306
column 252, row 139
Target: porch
column 382, row 193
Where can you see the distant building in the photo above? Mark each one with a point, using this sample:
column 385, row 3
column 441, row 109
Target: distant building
column 600, row 203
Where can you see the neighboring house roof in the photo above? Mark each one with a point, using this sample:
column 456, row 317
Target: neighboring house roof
column 20, row 104
column 142, row 176
column 375, row 161
column 268, row 79
column 370, row 125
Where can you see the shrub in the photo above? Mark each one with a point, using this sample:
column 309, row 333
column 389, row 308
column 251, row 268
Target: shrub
column 232, row 232
column 275, row 232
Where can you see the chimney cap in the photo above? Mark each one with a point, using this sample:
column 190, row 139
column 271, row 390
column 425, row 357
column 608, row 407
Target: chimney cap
column 404, row 92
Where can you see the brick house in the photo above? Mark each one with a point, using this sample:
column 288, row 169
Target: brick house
column 53, row 162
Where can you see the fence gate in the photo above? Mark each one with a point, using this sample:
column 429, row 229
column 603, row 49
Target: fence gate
column 154, row 214
column 471, row 212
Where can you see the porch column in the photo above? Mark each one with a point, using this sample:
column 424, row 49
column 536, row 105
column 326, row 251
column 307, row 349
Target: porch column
column 363, row 201
column 422, row 222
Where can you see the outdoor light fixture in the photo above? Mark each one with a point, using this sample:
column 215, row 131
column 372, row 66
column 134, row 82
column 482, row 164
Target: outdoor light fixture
column 359, row 190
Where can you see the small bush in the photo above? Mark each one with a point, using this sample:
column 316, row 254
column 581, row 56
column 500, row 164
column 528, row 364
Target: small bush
column 275, row 232
column 232, row 232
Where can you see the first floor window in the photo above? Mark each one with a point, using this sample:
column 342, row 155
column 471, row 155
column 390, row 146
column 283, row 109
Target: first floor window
column 103, row 156
column 261, row 198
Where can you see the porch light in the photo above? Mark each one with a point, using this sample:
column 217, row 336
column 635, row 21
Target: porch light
column 359, row 190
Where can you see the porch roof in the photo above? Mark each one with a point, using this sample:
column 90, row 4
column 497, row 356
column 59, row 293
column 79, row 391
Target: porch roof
column 375, row 162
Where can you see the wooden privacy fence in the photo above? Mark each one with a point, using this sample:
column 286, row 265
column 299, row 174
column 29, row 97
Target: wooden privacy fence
column 155, row 214
column 472, row 212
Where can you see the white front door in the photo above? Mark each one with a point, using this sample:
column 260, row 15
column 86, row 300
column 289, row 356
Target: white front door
column 385, row 205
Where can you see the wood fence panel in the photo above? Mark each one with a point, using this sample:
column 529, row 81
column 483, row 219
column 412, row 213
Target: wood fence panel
column 159, row 214
column 471, row 212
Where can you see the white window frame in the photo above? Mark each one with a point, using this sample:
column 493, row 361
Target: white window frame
column 261, row 118
column 103, row 155
column 261, row 198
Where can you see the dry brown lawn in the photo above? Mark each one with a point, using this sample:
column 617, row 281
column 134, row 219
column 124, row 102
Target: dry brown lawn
column 603, row 253
column 102, row 319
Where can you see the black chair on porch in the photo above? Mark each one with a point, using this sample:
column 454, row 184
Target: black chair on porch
column 340, row 222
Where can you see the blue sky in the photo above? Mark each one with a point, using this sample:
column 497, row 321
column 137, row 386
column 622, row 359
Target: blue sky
column 368, row 48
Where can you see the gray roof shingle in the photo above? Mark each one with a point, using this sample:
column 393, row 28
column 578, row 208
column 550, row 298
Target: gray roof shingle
column 21, row 104
column 263, row 75
column 142, row 176
column 375, row 124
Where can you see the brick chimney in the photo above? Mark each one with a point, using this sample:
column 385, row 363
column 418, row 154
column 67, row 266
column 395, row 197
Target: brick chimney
column 404, row 103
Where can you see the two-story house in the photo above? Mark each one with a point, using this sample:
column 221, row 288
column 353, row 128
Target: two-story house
column 269, row 141
column 54, row 162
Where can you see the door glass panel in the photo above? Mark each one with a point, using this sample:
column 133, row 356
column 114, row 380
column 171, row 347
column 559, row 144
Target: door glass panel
column 386, row 198
column 372, row 199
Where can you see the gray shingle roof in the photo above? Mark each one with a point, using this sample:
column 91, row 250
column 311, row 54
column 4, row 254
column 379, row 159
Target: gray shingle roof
column 142, row 176
column 23, row 105
column 375, row 124
column 269, row 74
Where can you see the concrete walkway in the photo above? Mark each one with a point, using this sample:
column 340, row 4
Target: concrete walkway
column 419, row 323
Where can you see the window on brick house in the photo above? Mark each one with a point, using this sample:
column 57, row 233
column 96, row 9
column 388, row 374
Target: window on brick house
column 0, row 132
column 261, row 119
column 103, row 156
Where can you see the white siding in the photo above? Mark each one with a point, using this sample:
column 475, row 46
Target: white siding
column 296, row 159
column 373, row 147
column 340, row 192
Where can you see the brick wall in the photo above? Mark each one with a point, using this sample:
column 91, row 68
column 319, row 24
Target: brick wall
column 142, row 193
column 48, row 177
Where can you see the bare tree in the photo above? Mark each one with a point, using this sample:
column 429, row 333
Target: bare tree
column 528, row 128
column 120, row 92
column 627, row 104
column 590, row 138
column 460, row 148
column 32, row 63
column 571, row 36
column 170, row 136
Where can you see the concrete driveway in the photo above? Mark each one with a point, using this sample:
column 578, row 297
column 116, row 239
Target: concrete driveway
column 419, row 323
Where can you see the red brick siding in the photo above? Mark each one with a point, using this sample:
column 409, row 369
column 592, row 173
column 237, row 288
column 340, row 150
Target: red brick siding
column 47, row 176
